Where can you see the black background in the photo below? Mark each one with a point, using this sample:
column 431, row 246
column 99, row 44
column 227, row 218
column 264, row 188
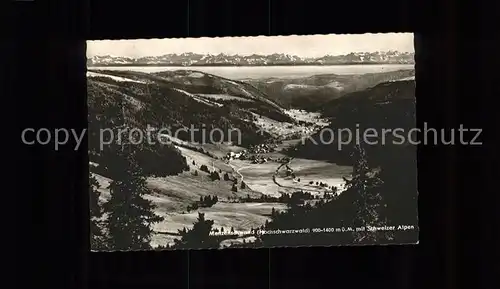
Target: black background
column 46, row 81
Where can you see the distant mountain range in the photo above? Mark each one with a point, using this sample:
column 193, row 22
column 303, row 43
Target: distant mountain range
column 193, row 59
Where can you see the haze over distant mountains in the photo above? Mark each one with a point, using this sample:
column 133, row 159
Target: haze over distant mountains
column 193, row 59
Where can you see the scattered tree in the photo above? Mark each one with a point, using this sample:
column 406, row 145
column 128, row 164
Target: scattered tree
column 365, row 185
column 96, row 234
column 214, row 176
column 204, row 168
column 199, row 236
column 129, row 216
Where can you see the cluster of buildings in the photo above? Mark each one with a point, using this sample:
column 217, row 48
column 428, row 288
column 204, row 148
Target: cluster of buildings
column 236, row 156
column 263, row 148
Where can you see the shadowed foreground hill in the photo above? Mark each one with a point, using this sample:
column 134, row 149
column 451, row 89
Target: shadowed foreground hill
column 388, row 106
column 314, row 92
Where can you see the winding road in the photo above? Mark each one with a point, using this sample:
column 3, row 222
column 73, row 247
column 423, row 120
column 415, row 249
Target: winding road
column 237, row 171
column 276, row 173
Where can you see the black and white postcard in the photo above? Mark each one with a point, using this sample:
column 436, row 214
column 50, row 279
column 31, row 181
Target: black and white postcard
column 251, row 142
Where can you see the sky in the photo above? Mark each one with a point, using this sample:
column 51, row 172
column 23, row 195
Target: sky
column 303, row 46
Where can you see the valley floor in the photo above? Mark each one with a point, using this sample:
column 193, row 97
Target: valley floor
column 173, row 194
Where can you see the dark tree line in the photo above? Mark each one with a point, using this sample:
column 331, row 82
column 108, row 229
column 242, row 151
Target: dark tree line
column 204, row 202
column 204, row 168
column 214, row 175
column 295, row 197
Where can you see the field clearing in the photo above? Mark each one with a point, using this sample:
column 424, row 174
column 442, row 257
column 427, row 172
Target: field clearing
column 240, row 216
column 189, row 188
column 313, row 122
column 315, row 171
column 255, row 170
column 221, row 150
column 280, row 129
column 288, row 143
column 175, row 193
column 265, row 186
column 304, row 185
column 162, row 240
column 198, row 98
column 217, row 149
column 115, row 78
column 310, row 117
column 224, row 97
column 229, row 242
column 320, row 168
column 202, row 159
column 259, row 177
